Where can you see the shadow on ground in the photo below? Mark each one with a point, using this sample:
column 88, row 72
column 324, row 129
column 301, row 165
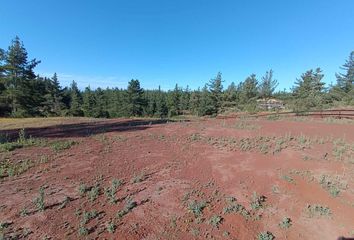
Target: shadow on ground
column 84, row 129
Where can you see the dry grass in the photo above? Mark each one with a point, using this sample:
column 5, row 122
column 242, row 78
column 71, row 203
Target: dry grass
column 17, row 123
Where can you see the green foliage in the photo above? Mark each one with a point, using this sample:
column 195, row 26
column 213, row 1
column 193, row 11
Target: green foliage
column 135, row 101
column 197, row 207
column 285, row 223
column 22, row 141
column 111, row 227
column 138, row 178
column 265, row 236
column 24, row 94
column 110, row 192
column 309, row 91
column 257, row 201
column 93, row 193
column 215, row 221
column 75, row 100
column 82, row 231
column 331, row 184
column 87, row 216
column 318, row 210
column 267, row 85
column 39, row 201
column 82, row 189
column 288, row 179
column 58, row 146
column 129, row 206
column 216, row 88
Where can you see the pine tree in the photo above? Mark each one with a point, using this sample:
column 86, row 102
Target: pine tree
column 231, row 96
column 343, row 91
column 248, row 90
column 57, row 95
column 19, row 80
column 161, row 106
column 309, row 91
column 100, row 109
column 174, row 101
column 4, row 100
column 88, row 102
column 215, row 88
column 135, row 100
column 267, row 85
column 75, row 101
column 345, row 81
column 206, row 103
column 185, row 98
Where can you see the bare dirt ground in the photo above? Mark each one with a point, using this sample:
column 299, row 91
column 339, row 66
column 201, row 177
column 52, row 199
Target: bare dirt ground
column 199, row 179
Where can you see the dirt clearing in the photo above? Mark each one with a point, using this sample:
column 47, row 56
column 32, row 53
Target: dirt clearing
column 198, row 179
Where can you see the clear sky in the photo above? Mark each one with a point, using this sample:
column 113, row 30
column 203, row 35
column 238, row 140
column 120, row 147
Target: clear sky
column 164, row 42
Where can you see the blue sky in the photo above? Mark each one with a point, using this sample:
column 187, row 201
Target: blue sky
column 161, row 42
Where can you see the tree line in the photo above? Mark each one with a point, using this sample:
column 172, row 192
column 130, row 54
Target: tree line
column 25, row 94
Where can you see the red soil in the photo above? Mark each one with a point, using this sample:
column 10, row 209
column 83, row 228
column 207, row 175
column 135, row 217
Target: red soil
column 180, row 164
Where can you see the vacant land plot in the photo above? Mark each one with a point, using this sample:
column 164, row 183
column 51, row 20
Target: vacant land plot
column 156, row 179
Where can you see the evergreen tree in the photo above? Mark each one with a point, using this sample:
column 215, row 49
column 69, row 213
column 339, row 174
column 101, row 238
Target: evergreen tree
column 75, row 100
column 248, row 90
column 231, row 96
column 135, row 101
column 345, row 81
column 215, row 88
column 100, row 110
column 4, row 100
column 19, row 80
column 161, row 106
column 343, row 91
column 88, row 102
column 57, row 95
column 309, row 91
column 206, row 103
column 194, row 102
column 174, row 101
column 267, row 85
column 185, row 97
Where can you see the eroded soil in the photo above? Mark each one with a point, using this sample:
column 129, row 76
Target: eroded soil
column 200, row 179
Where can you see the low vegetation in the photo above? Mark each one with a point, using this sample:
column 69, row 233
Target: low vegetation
column 285, row 223
column 317, row 210
column 265, row 236
column 128, row 207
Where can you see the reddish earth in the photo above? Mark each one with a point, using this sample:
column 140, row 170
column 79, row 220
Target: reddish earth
column 178, row 162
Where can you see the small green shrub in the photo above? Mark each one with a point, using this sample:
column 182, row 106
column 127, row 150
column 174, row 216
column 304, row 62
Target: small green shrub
column 87, row 216
column 129, row 205
column 265, row 236
column 111, row 227
column 285, row 223
column 82, row 231
column 138, row 178
column 39, row 201
column 82, row 189
column 257, row 201
column 215, row 221
column 330, row 185
column 288, row 179
column 110, row 192
column 318, row 210
column 58, row 146
column 94, row 193
column 197, row 207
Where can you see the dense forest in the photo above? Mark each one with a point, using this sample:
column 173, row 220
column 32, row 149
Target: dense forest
column 25, row 94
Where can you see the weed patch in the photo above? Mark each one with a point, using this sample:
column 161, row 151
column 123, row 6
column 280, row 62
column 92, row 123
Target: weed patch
column 317, row 210
column 285, row 223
